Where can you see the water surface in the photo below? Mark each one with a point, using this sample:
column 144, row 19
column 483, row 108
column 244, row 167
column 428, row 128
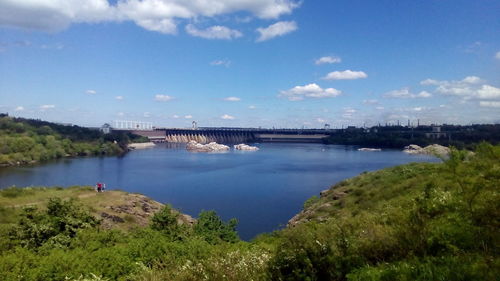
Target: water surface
column 262, row 189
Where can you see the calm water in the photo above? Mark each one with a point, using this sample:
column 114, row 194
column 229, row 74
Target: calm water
column 262, row 189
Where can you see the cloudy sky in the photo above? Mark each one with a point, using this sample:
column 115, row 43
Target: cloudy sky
column 269, row 63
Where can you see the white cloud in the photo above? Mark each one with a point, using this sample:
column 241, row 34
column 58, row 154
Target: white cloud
column 223, row 62
column 119, row 97
column 175, row 116
column 497, row 55
column 471, row 87
column 423, row 94
column 495, row 104
column 163, row 98
column 156, row 15
column 19, row 108
column 146, row 114
column 345, row 75
column 277, row 29
column 349, row 110
column 405, row 93
column 227, row 117
column 47, row 107
column 309, row 91
column 120, row 114
column 232, row 99
column 188, row 116
column 328, row 60
column 252, row 107
column 213, row 32
column 320, row 120
column 90, row 92
column 380, row 108
column 488, row 92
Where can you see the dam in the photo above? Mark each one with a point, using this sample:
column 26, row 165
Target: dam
column 234, row 135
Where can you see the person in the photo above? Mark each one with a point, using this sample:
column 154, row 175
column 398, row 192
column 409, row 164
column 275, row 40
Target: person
column 99, row 187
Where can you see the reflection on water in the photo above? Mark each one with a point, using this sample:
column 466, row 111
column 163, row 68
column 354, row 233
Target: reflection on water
column 262, row 189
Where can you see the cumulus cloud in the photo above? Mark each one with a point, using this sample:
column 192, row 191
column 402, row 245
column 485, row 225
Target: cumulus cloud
column 223, row 62
column 47, row 107
column 146, row 114
column 345, row 75
column 163, row 98
column 320, row 120
column 213, row 32
column 252, row 107
column 188, row 116
column 495, row 104
column 309, row 91
column 90, row 92
column 232, row 99
column 227, row 117
column 471, row 87
column 19, row 108
column 119, row 97
column 328, row 60
column 277, row 29
column 497, row 55
column 155, row 15
column 120, row 114
column 175, row 116
column 405, row 93
column 488, row 92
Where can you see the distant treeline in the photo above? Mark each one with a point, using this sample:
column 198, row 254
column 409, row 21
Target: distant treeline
column 25, row 141
column 399, row 136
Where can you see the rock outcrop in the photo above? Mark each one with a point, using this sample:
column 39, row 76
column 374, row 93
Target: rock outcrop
column 434, row 149
column 210, row 147
column 137, row 208
column 369, row 149
column 246, row 147
column 141, row 145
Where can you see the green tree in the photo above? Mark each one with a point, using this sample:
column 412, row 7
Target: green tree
column 214, row 230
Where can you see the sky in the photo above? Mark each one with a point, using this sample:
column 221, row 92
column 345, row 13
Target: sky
column 251, row 63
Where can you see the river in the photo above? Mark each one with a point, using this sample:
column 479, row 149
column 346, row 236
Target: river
column 262, row 189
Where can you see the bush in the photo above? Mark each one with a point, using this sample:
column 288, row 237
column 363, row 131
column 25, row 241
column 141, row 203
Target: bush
column 214, row 230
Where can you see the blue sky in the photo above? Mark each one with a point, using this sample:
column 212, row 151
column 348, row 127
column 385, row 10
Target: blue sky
column 251, row 63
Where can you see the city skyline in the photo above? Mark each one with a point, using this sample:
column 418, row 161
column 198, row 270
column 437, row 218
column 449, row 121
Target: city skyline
column 266, row 63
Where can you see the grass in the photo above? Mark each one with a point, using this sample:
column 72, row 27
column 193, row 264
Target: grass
column 14, row 199
column 370, row 191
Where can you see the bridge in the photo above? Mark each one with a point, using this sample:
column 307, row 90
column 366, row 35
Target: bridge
column 234, row 135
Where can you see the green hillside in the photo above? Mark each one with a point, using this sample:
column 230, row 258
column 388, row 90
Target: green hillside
column 419, row 221
column 26, row 141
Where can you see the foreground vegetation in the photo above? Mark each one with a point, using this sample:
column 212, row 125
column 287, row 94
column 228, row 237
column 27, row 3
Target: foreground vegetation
column 25, row 141
column 411, row 222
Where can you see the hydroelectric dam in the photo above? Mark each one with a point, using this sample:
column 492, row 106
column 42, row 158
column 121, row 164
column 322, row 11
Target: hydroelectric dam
column 234, row 135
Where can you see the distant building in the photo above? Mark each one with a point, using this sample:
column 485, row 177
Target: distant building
column 436, row 133
column 106, row 128
column 132, row 125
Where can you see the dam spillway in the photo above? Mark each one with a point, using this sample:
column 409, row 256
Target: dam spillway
column 234, row 135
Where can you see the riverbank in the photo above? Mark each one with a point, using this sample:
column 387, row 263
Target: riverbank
column 28, row 141
column 141, row 145
column 114, row 208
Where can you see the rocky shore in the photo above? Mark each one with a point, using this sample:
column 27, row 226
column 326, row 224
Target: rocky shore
column 434, row 149
column 246, row 147
column 141, row 145
column 210, row 147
